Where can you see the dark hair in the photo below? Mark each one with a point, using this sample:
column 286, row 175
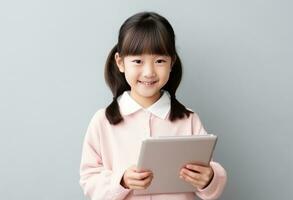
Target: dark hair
column 144, row 33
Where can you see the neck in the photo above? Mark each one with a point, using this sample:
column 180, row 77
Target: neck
column 145, row 102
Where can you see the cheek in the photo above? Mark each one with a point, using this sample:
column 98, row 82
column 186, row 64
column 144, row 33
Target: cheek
column 128, row 79
column 165, row 76
column 130, row 76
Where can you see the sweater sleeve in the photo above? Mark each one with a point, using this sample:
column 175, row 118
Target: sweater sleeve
column 217, row 184
column 96, row 181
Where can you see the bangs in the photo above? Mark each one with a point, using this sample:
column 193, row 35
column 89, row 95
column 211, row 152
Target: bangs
column 147, row 38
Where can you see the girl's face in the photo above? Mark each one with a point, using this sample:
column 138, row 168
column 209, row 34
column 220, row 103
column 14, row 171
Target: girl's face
column 146, row 74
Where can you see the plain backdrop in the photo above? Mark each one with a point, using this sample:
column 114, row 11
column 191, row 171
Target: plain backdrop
column 238, row 76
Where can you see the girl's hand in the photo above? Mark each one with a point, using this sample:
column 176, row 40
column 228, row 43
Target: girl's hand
column 135, row 179
column 197, row 175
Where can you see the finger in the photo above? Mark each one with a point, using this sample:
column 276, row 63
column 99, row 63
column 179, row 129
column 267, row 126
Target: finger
column 134, row 169
column 195, row 183
column 139, row 176
column 148, row 184
column 205, row 172
column 139, row 170
column 197, row 176
column 192, row 174
column 148, row 181
column 140, row 183
column 197, row 168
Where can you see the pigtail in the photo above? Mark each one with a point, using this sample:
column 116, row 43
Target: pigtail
column 178, row 110
column 113, row 113
column 117, row 83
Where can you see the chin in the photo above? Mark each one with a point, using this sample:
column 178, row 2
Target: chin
column 148, row 94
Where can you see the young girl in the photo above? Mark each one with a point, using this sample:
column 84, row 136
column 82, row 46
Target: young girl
column 143, row 72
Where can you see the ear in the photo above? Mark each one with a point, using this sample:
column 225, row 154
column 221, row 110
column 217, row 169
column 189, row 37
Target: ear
column 173, row 60
column 119, row 62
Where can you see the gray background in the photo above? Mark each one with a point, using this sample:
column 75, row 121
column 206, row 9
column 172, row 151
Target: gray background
column 237, row 58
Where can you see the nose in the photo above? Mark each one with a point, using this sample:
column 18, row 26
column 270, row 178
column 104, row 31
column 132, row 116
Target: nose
column 149, row 71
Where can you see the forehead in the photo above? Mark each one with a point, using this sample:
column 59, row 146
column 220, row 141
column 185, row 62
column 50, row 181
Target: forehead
column 147, row 56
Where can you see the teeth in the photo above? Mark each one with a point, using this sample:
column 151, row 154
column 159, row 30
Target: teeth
column 147, row 83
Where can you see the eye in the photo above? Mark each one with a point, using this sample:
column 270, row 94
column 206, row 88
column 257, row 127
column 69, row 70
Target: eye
column 161, row 61
column 137, row 61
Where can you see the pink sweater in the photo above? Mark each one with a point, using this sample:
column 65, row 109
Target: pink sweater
column 109, row 150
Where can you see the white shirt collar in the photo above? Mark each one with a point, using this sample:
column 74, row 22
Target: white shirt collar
column 160, row 108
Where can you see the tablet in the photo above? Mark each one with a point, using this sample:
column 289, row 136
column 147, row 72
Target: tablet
column 166, row 155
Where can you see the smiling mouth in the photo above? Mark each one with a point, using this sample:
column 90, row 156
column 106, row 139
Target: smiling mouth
column 148, row 82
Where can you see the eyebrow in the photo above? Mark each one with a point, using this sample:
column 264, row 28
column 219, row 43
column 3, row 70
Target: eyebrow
column 155, row 56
